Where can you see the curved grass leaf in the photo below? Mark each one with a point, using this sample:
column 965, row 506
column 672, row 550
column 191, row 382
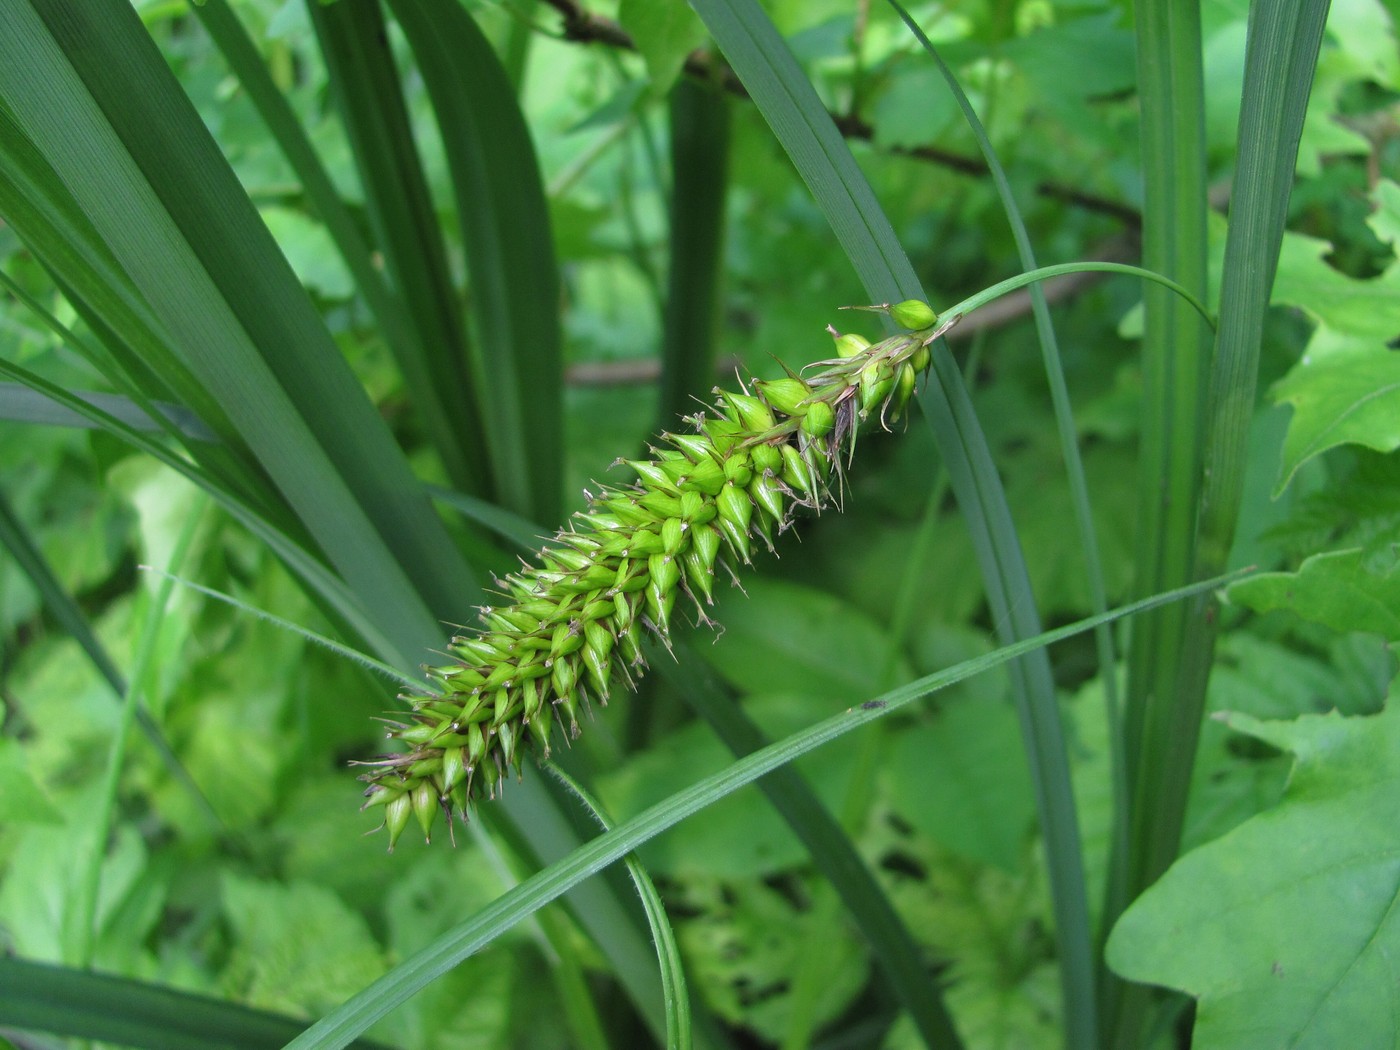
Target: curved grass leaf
column 38, row 997
column 790, row 105
column 892, row 946
column 673, row 983
column 337, row 1028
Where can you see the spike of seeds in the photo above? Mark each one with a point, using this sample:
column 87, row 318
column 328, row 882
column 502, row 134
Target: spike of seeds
column 572, row 627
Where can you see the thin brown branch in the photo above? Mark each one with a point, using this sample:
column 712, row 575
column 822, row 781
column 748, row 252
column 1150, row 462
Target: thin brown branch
column 585, row 27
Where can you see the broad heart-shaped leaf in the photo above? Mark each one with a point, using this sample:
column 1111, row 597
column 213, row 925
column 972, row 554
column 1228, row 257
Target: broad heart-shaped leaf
column 1287, row 929
column 1351, row 590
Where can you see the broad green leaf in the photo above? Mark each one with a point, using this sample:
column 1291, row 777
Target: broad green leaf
column 796, row 639
column 1351, row 590
column 1348, row 392
column 298, row 948
column 665, row 31
column 1343, row 304
column 1286, row 929
column 745, row 939
column 1385, row 220
column 22, row 800
column 961, row 778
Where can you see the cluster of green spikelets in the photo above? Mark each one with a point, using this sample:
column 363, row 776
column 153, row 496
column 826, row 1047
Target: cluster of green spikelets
column 572, row 627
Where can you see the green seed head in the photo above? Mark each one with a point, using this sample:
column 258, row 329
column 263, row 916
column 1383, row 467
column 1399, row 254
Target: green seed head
column 570, row 628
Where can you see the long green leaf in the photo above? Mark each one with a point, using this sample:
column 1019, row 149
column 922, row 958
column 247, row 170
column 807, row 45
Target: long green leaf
column 699, row 180
column 791, row 107
column 1175, row 361
column 1284, row 39
column 510, row 252
column 37, row 997
column 337, row 1028
column 365, row 82
column 673, row 983
column 84, row 88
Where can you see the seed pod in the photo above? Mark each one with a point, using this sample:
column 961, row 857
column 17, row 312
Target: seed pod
column 396, row 815
column 785, row 395
column 913, row 313
column 767, row 493
column 903, row 390
column 752, row 413
column 819, row 420
column 876, row 382
column 425, row 807
column 850, row 344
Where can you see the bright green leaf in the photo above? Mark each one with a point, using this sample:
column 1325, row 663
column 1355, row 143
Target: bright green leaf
column 665, row 32
column 798, row 639
column 1365, row 309
column 1385, row 220
column 1286, row 929
column 1352, row 590
column 962, row 778
column 299, row 949
column 22, row 800
column 1340, row 398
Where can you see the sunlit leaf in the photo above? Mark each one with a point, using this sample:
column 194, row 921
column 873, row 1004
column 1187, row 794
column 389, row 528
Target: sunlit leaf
column 1286, row 929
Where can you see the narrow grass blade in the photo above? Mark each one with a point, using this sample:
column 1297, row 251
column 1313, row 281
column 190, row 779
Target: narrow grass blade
column 1175, row 360
column 49, row 220
column 1034, row 276
column 84, row 90
column 891, row 944
column 19, row 404
column 365, row 83
column 85, row 908
column 386, row 304
column 791, row 107
column 37, row 997
column 699, row 180
column 673, row 983
column 321, row 582
column 510, row 252
column 1284, row 39
column 337, row 1028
